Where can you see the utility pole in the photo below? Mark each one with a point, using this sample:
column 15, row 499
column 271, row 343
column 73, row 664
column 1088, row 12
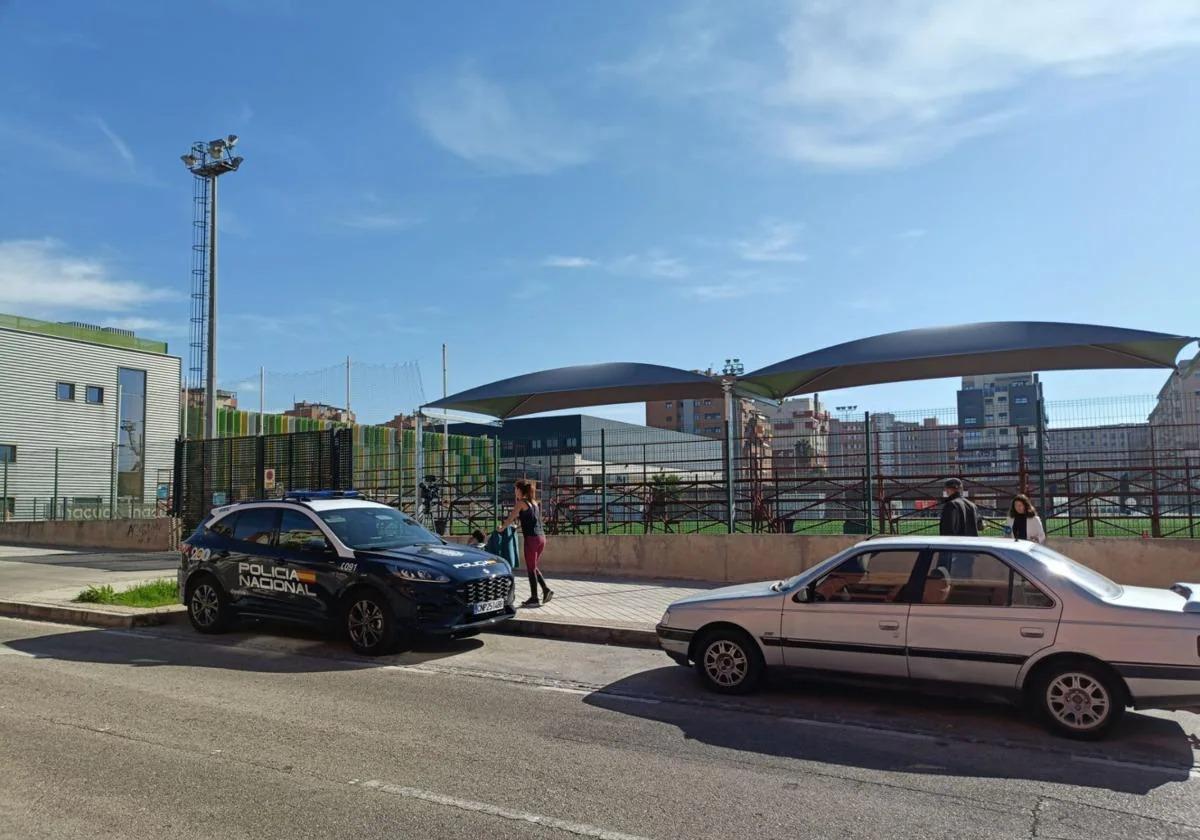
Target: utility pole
column 347, row 388
column 262, row 397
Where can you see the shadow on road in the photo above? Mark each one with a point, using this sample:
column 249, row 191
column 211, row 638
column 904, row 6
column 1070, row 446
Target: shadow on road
column 268, row 649
column 870, row 728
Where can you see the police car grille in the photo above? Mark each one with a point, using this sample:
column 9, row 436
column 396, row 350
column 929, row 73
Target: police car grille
column 478, row 591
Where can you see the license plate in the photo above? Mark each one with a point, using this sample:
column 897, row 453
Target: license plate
column 488, row 606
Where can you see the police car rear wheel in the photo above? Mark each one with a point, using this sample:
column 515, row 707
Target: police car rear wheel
column 370, row 625
column 208, row 608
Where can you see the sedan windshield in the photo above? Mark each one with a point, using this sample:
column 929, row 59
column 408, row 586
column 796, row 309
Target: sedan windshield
column 375, row 528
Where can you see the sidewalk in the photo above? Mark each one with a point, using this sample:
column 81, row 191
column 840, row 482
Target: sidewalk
column 605, row 611
column 40, row 583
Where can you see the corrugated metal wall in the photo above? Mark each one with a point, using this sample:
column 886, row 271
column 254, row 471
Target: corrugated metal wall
column 38, row 424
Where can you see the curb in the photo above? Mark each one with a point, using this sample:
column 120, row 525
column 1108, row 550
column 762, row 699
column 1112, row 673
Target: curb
column 91, row 617
column 596, row 634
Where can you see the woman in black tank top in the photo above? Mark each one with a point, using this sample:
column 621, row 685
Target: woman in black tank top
column 528, row 513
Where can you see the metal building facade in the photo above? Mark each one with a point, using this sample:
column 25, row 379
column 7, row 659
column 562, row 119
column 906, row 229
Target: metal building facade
column 71, row 437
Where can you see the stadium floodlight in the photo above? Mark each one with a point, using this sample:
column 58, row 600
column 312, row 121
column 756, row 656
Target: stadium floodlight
column 209, row 161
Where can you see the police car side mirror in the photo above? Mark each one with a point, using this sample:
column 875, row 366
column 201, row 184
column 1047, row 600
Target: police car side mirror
column 803, row 595
column 318, row 546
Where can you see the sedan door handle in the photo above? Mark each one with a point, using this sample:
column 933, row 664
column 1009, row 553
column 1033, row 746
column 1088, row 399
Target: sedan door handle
column 1032, row 632
column 889, row 625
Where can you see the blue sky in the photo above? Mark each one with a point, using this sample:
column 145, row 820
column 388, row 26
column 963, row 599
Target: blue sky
column 546, row 183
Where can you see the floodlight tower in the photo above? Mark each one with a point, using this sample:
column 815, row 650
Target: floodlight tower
column 207, row 162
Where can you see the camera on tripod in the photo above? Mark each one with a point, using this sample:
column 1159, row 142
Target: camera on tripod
column 431, row 492
column 431, row 503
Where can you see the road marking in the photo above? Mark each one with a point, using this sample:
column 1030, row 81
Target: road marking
column 578, row 829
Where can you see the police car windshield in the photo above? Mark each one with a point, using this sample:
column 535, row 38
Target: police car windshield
column 375, row 528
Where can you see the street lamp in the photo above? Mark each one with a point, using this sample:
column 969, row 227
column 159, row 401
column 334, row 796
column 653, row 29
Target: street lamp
column 210, row 161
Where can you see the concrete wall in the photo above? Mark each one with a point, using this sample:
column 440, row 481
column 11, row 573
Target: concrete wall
column 716, row 558
column 112, row 534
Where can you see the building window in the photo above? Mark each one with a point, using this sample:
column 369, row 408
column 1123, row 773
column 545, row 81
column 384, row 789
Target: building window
column 1020, row 400
column 64, row 391
column 572, row 442
column 94, row 394
column 535, row 444
column 552, row 443
column 131, row 432
column 970, row 421
column 708, row 402
column 670, row 404
column 8, row 453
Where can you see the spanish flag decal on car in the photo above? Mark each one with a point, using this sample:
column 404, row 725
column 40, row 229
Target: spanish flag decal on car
column 306, row 577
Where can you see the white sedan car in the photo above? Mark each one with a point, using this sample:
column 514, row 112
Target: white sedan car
column 1005, row 616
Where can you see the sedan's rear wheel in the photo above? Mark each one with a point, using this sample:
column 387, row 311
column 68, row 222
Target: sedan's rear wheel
column 1080, row 699
column 729, row 661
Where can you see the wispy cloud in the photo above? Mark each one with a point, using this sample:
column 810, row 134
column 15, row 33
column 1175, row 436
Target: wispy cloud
column 120, row 145
column 567, row 262
column 653, row 264
column 912, row 233
column 529, row 290
column 89, row 154
column 774, row 242
column 860, row 85
column 149, row 326
column 40, row 278
column 380, row 221
column 505, row 130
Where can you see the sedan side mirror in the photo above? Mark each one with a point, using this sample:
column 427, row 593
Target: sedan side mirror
column 803, row 594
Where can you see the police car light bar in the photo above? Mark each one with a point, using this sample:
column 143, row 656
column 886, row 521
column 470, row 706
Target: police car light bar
column 311, row 495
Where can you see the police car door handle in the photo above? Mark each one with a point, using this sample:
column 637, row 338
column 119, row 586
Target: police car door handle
column 889, row 625
column 1032, row 632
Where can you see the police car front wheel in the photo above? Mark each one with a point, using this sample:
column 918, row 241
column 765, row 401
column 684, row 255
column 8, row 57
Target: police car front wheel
column 208, row 608
column 370, row 625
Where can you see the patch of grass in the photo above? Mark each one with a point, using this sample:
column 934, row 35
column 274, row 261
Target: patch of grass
column 156, row 593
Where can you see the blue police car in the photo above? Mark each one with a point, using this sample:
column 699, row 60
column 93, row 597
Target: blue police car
column 331, row 558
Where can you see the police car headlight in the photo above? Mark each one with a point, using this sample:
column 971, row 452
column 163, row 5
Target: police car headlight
column 421, row 576
column 666, row 619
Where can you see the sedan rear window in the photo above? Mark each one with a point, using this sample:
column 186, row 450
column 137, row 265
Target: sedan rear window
column 1091, row 580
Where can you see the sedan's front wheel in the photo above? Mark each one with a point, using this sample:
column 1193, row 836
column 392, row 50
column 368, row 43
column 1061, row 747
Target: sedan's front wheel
column 1079, row 699
column 729, row 661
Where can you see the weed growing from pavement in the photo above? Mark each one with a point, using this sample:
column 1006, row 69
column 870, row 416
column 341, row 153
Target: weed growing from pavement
column 156, row 593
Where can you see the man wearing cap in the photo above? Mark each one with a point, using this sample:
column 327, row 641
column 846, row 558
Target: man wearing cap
column 960, row 518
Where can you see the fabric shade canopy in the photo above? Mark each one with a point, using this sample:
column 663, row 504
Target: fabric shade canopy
column 995, row 347
column 579, row 386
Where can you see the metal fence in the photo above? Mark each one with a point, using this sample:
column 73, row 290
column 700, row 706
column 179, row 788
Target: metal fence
column 1092, row 468
column 218, row 471
column 83, row 483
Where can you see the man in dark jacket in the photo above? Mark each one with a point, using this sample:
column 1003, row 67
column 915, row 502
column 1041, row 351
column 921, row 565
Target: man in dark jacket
column 960, row 518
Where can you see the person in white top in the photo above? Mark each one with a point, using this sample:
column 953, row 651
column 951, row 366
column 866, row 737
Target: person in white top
column 1023, row 521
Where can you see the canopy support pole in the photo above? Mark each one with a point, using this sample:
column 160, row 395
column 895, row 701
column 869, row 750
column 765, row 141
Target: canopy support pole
column 868, row 499
column 730, row 496
column 418, row 466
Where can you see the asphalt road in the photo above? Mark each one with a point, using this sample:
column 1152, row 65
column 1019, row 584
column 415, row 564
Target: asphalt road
column 160, row 733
